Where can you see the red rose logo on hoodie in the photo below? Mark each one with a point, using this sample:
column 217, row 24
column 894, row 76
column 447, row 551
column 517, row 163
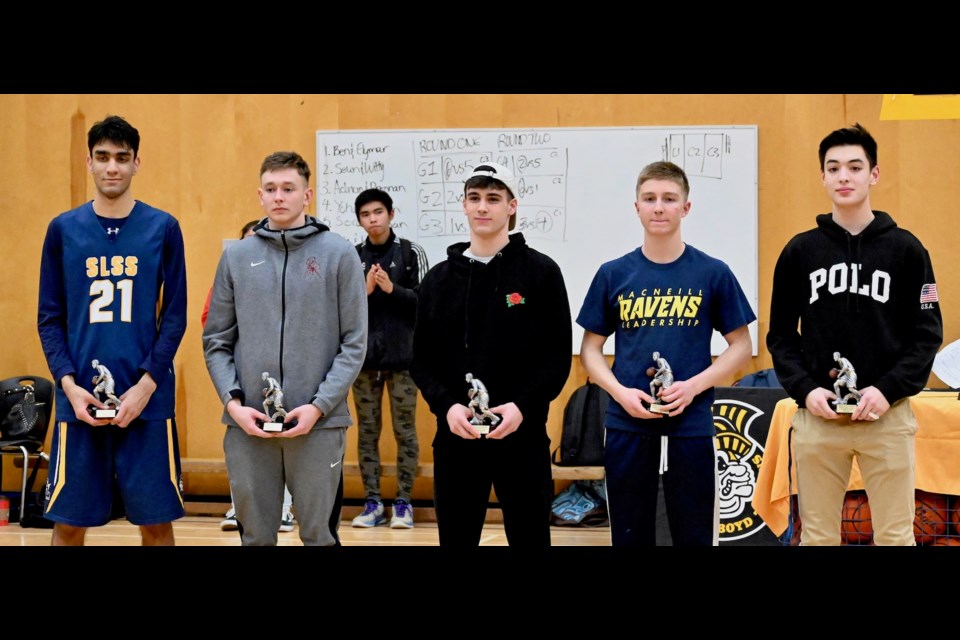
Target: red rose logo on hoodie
column 515, row 299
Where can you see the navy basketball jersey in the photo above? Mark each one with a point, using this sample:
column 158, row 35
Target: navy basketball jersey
column 118, row 299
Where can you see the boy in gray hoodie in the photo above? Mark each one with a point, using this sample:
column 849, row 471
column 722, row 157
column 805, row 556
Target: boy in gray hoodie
column 291, row 301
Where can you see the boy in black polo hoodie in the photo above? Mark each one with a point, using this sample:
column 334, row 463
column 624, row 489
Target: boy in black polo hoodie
column 496, row 309
column 860, row 286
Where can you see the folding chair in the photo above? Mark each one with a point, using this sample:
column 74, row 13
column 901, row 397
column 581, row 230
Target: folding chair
column 26, row 405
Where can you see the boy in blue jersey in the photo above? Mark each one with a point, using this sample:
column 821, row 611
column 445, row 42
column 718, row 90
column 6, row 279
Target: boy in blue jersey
column 289, row 300
column 113, row 288
column 667, row 297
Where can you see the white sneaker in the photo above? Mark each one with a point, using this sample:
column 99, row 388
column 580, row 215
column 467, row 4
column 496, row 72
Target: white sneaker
column 229, row 522
column 286, row 521
column 372, row 515
column 402, row 515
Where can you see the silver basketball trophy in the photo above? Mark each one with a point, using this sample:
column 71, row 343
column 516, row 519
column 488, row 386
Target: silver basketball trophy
column 273, row 407
column 103, row 384
column 844, row 378
column 482, row 419
column 662, row 376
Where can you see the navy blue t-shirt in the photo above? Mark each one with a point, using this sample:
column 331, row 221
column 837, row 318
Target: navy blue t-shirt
column 670, row 308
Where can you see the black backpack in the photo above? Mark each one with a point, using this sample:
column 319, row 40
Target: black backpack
column 581, row 444
column 763, row 378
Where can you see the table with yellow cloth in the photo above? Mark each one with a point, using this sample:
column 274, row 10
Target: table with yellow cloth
column 937, row 447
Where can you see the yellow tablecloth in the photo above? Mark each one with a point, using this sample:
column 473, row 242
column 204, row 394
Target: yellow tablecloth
column 937, row 445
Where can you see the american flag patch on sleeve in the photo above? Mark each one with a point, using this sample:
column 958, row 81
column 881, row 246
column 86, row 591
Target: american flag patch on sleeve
column 928, row 293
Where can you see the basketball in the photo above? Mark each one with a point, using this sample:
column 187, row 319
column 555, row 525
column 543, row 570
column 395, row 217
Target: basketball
column 856, row 526
column 932, row 516
column 797, row 523
column 955, row 515
column 834, row 373
column 650, row 372
column 946, row 542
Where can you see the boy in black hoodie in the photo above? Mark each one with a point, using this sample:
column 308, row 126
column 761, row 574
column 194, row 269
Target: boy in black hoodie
column 497, row 309
column 861, row 286
column 393, row 268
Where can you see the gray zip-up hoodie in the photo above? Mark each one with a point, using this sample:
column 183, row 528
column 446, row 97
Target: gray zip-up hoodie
column 292, row 303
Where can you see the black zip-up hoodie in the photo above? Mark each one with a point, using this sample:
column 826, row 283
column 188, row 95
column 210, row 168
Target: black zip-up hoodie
column 392, row 315
column 507, row 322
column 871, row 297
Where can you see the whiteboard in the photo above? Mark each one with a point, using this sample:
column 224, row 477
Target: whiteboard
column 577, row 188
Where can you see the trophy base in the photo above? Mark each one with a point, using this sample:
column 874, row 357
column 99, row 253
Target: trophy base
column 482, row 428
column 658, row 408
column 277, row 427
column 845, row 408
column 101, row 414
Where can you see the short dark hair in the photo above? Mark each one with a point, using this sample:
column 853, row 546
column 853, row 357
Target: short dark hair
column 372, row 195
column 664, row 171
column 286, row 160
column 247, row 227
column 116, row 130
column 857, row 135
column 486, row 182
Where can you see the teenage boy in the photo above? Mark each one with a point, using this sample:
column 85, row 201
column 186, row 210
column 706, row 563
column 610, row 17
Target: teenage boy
column 289, row 301
column 393, row 267
column 105, row 268
column 861, row 286
column 497, row 309
column 229, row 522
column 667, row 298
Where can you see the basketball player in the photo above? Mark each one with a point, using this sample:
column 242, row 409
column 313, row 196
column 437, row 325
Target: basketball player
column 113, row 286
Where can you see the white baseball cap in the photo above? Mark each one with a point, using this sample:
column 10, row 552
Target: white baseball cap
column 497, row 172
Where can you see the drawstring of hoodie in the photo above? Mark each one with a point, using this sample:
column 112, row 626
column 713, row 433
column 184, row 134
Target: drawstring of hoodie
column 497, row 259
column 663, row 454
column 857, row 269
column 853, row 257
column 854, row 264
column 466, row 306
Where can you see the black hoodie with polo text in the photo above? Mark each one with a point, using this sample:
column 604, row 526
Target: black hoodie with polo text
column 872, row 297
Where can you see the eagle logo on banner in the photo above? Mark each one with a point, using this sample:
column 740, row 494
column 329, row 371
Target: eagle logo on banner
column 738, row 462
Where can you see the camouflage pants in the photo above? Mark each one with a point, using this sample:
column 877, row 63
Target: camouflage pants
column 368, row 397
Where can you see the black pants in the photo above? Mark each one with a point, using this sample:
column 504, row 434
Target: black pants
column 518, row 470
column 632, row 462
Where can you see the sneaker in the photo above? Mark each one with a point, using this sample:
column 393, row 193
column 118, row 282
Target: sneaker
column 286, row 521
column 402, row 515
column 229, row 522
column 372, row 515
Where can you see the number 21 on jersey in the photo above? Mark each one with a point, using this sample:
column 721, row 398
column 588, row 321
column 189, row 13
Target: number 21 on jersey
column 103, row 291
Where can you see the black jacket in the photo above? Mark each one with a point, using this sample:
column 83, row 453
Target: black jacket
column 392, row 315
column 871, row 297
column 506, row 322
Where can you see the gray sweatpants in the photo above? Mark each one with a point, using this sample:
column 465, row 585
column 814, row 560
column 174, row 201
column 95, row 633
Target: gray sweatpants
column 311, row 465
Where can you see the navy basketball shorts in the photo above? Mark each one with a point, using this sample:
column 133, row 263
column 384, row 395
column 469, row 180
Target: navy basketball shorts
column 87, row 462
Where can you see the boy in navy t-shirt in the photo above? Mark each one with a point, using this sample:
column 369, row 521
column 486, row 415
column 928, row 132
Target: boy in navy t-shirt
column 665, row 297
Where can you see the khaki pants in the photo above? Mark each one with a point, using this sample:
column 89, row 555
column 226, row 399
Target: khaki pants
column 884, row 449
